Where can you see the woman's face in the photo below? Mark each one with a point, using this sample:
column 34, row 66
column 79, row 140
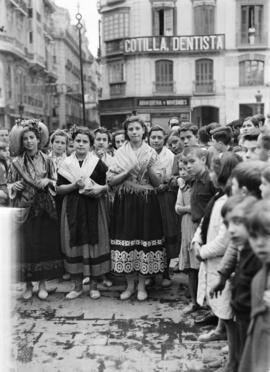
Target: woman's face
column 135, row 132
column 30, row 142
column 81, row 144
column 59, row 145
column 156, row 140
column 119, row 139
column 101, row 141
column 247, row 127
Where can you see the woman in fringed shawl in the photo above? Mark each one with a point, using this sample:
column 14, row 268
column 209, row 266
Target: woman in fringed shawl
column 137, row 243
column 167, row 197
column 84, row 224
column 30, row 180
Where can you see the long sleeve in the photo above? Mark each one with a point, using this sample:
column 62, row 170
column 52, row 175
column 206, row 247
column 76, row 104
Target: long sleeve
column 180, row 208
column 217, row 246
column 229, row 261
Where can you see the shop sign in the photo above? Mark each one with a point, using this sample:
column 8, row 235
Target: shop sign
column 150, row 102
column 175, row 44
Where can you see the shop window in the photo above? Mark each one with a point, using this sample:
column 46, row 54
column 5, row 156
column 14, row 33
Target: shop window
column 116, row 25
column 251, row 24
column 251, row 73
column 164, row 77
column 163, row 22
column 204, row 20
column 204, row 83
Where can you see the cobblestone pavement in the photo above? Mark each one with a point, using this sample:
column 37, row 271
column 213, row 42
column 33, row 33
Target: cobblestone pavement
column 108, row 334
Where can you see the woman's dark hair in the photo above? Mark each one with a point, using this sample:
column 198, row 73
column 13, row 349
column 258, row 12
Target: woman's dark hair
column 134, row 119
column 85, row 131
column 103, row 130
column 227, row 163
column 115, row 134
column 157, row 128
column 30, row 126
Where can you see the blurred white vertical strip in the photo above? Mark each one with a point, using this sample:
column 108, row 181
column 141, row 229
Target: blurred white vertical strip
column 7, row 249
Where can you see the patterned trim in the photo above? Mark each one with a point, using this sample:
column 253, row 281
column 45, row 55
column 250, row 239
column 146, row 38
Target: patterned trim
column 138, row 261
column 131, row 243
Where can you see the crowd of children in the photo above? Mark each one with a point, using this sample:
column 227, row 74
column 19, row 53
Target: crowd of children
column 92, row 204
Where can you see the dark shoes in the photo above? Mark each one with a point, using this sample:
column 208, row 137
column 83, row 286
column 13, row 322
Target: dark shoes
column 207, row 319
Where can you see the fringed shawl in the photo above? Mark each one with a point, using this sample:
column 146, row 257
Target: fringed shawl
column 82, row 211
column 140, row 159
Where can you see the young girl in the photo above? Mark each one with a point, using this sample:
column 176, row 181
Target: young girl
column 59, row 142
column 29, row 181
column 84, row 224
column 118, row 139
column 256, row 355
column 137, row 247
column 187, row 260
column 102, row 140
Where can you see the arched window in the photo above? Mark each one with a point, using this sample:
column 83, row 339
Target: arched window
column 251, row 72
column 164, row 76
column 204, row 82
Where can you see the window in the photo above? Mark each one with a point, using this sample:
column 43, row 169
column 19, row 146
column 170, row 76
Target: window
column 30, row 37
column 204, row 76
column 251, row 24
column 204, row 20
column 116, row 72
column 163, row 22
column 164, row 76
column 116, row 25
column 251, row 72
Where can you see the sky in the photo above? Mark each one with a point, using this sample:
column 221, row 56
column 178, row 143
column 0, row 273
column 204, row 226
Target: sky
column 88, row 10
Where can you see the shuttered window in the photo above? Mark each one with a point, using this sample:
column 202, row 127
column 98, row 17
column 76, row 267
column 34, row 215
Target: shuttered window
column 116, row 72
column 251, row 73
column 164, row 76
column 204, row 20
column 251, row 23
column 163, row 22
column 204, row 76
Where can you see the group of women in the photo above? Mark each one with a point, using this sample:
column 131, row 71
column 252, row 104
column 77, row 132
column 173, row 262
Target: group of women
column 88, row 214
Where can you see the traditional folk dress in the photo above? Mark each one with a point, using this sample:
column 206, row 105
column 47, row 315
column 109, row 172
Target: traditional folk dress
column 167, row 198
column 137, row 244
column 84, row 219
column 39, row 249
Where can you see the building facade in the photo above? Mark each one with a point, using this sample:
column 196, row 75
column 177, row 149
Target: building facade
column 66, row 41
column 199, row 60
column 40, row 67
column 27, row 68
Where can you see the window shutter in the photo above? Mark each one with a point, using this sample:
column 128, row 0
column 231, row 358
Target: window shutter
column 168, row 22
column 198, row 15
column 244, row 24
column 156, row 23
column 258, row 22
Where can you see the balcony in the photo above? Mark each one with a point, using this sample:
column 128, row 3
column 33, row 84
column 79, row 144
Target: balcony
column 118, row 89
column 12, row 45
column 164, row 87
column 204, row 88
column 248, row 41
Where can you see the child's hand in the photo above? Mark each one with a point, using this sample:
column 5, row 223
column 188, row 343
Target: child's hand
column 266, row 297
column 217, row 287
column 80, row 183
column 18, row 186
column 181, row 182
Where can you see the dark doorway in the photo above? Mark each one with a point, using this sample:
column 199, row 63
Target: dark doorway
column 250, row 109
column 203, row 115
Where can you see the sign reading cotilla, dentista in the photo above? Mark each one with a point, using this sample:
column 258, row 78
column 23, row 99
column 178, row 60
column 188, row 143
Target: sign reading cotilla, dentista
column 175, row 44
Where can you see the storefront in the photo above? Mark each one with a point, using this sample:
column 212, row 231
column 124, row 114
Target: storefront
column 155, row 111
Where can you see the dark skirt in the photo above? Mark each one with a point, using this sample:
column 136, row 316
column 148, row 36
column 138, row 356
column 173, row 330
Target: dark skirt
column 137, row 243
column 171, row 223
column 39, row 253
column 87, row 259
